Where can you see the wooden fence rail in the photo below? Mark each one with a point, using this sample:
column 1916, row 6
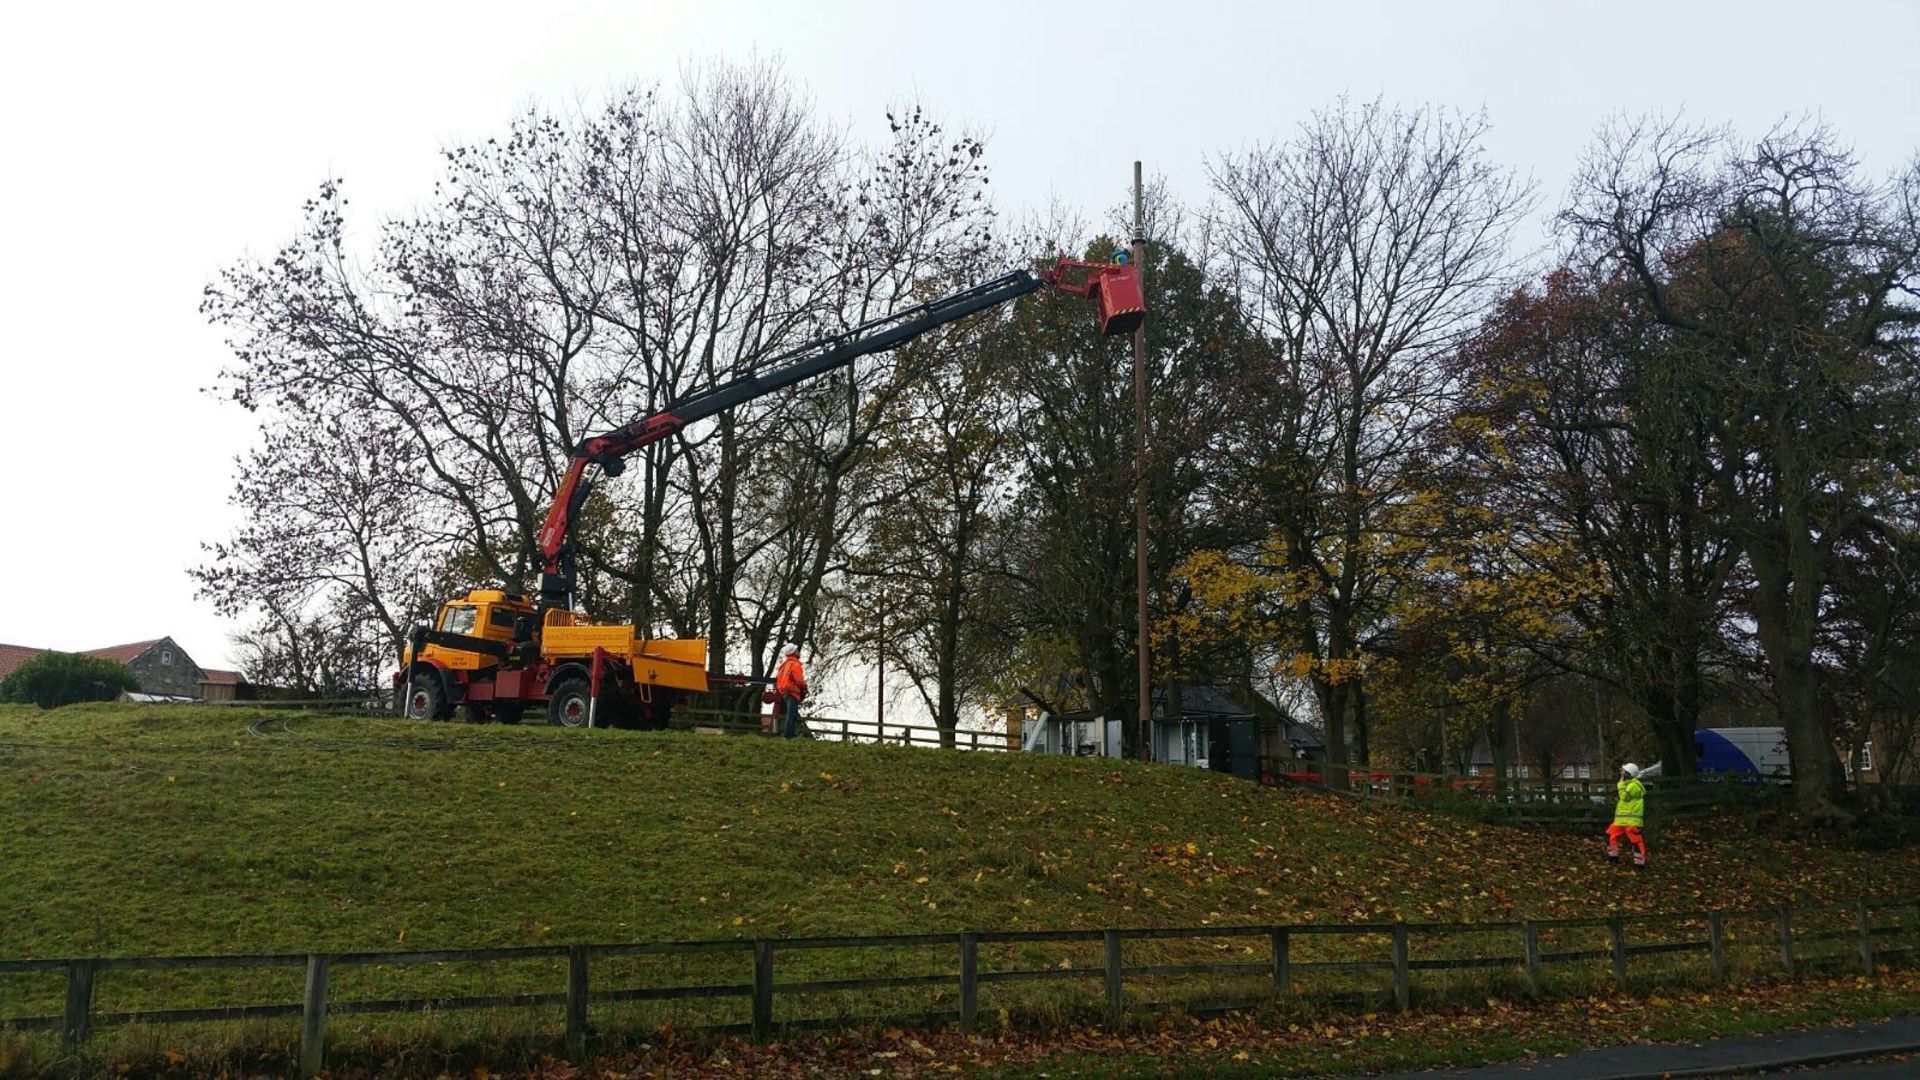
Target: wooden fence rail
column 1579, row 801
column 1521, row 950
column 847, row 730
column 1520, row 800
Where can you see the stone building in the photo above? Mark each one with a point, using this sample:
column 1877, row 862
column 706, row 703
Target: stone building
column 161, row 666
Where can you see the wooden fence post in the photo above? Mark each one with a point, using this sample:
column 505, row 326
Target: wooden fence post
column 1865, row 926
column 78, row 1020
column 969, row 980
column 1786, row 939
column 1717, row 945
column 1116, row 995
column 577, row 1002
column 1617, row 941
column 1402, row 980
column 1530, row 943
column 762, row 989
column 313, row 1017
column 1282, row 960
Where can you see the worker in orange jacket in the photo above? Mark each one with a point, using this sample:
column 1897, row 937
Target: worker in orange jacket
column 789, row 687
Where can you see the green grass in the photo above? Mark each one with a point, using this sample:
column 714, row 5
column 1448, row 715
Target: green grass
column 136, row 830
column 154, row 830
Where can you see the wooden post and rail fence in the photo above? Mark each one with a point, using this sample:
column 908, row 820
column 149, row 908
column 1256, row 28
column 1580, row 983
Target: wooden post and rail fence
column 1372, row 780
column 1383, row 956
column 1562, row 801
column 841, row 729
column 717, row 720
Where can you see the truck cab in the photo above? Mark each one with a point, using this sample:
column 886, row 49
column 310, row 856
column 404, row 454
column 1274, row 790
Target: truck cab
column 470, row 637
column 487, row 614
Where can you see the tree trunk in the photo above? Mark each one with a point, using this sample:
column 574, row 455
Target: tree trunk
column 1333, row 713
column 1786, row 579
column 1497, row 728
column 947, row 663
column 1672, row 731
column 1363, row 747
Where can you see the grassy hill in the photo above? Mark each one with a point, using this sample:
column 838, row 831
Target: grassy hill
column 129, row 830
column 163, row 829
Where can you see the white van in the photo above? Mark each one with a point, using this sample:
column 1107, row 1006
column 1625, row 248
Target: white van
column 1759, row 751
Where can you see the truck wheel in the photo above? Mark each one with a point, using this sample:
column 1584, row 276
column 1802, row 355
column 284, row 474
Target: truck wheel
column 426, row 698
column 570, row 702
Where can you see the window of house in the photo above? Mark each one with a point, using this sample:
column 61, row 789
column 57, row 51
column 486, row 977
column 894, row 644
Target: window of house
column 1866, row 757
column 166, row 657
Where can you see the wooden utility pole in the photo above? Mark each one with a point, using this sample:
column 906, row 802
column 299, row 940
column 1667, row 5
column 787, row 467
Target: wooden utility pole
column 880, row 707
column 1139, row 256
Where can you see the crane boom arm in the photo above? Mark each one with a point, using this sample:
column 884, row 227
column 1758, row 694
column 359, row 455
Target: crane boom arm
column 788, row 369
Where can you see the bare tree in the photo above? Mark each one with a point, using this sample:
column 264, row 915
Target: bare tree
column 326, row 502
column 1364, row 247
column 927, row 576
column 912, row 221
column 573, row 274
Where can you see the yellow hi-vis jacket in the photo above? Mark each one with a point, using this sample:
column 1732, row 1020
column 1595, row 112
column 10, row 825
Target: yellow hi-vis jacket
column 1631, row 809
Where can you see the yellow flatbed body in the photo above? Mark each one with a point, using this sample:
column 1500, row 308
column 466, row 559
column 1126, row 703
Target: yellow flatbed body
column 680, row 663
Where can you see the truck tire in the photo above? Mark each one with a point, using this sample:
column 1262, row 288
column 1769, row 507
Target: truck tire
column 570, row 700
column 426, row 698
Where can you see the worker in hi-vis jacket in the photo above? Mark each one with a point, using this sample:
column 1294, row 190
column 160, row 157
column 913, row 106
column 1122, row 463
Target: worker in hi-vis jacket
column 1629, row 815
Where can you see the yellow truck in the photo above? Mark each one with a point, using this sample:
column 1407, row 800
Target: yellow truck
column 494, row 654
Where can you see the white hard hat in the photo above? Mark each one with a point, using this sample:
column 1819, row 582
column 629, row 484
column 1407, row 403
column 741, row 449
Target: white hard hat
column 791, row 650
column 1630, row 769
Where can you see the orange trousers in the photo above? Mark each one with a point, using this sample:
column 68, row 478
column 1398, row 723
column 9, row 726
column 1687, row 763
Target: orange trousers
column 1632, row 833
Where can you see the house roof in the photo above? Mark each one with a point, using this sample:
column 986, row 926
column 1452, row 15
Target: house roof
column 123, row 653
column 215, row 675
column 1308, row 735
column 12, row 656
column 1198, row 699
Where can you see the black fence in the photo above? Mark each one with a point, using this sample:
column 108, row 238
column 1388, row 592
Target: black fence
column 1376, row 962
column 1577, row 802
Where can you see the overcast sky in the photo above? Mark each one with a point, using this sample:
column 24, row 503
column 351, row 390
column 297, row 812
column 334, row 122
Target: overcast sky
column 146, row 145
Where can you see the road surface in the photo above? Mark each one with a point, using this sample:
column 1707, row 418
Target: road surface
column 1881, row 1050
